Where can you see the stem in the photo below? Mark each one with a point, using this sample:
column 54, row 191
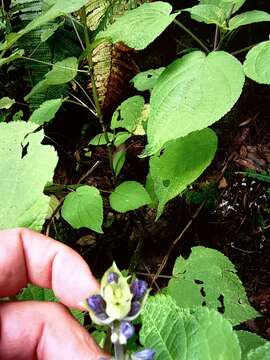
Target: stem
column 192, row 35
column 94, row 89
column 216, row 38
column 243, row 50
column 118, row 351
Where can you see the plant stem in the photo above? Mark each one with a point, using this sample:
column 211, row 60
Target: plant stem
column 118, row 351
column 243, row 50
column 94, row 89
column 216, row 38
column 192, row 35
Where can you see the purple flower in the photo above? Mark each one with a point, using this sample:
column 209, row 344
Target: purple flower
column 146, row 354
column 138, row 288
column 97, row 305
column 135, row 308
column 126, row 331
column 113, row 278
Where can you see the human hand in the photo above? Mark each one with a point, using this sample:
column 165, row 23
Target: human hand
column 41, row 330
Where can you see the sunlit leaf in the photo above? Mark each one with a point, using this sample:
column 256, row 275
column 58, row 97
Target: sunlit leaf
column 131, row 27
column 192, row 93
column 256, row 65
column 84, row 208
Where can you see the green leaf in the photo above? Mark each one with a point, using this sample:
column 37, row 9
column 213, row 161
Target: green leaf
column 127, row 115
column 261, row 353
column 26, row 167
column 121, row 137
column 84, row 208
column 46, row 34
column 182, row 162
column 14, row 56
column 248, row 341
column 192, row 93
column 35, row 293
column 256, row 65
column 131, row 27
column 61, row 73
column 59, row 8
column 209, row 14
column 119, row 158
column 100, row 139
column 247, row 18
column 229, row 6
column 208, row 278
column 181, row 335
column 129, row 195
column 146, row 80
column 6, row 103
column 46, row 111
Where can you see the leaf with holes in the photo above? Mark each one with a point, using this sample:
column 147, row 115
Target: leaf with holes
column 127, row 115
column 84, row 208
column 26, row 167
column 192, row 93
column 146, row 80
column 249, row 17
column 181, row 163
column 256, row 65
column 130, row 28
column 208, row 278
column 176, row 334
column 130, row 195
column 46, row 111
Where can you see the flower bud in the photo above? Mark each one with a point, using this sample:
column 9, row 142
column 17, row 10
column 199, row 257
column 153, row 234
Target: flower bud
column 135, row 308
column 97, row 305
column 126, row 331
column 138, row 288
column 146, row 354
column 113, row 278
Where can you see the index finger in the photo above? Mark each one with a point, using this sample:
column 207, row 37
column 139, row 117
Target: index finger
column 27, row 256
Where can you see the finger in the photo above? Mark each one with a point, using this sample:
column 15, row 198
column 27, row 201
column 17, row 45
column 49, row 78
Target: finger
column 43, row 331
column 27, row 256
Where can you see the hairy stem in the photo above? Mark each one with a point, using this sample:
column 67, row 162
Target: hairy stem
column 94, row 89
column 192, row 35
column 118, row 351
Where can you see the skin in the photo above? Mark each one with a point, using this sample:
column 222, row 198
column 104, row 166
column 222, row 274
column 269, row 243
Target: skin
column 41, row 330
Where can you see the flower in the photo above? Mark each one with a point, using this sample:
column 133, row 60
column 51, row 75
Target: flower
column 146, row 354
column 116, row 294
column 96, row 306
column 138, row 288
column 113, row 277
column 126, row 331
column 117, row 299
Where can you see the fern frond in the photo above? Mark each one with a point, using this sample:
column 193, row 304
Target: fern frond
column 113, row 68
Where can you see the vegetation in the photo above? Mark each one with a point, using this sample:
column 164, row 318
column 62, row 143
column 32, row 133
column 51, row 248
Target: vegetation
column 102, row 140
